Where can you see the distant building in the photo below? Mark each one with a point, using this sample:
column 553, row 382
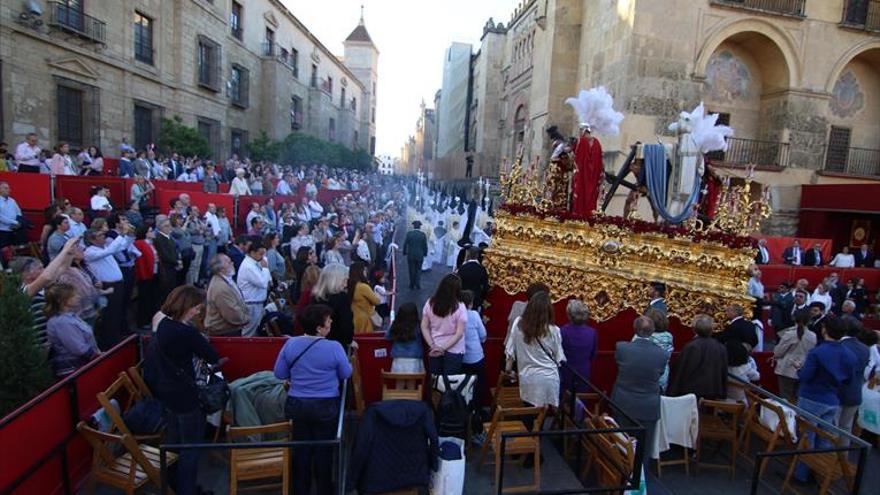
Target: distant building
column 92, row 73
column 386, row 164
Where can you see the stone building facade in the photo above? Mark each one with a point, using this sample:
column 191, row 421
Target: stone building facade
column 97, row 71
column 798, row 80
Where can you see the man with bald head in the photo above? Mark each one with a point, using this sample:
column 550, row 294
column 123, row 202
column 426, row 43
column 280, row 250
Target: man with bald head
column 640, row 364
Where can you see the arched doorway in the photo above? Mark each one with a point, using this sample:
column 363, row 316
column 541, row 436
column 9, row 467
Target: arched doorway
column 746, row 80
column 853, row 144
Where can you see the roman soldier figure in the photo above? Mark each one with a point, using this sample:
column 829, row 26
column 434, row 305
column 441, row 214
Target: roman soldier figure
column 559, row 171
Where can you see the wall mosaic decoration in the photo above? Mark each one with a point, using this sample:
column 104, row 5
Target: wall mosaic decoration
column 727, row 77
column 847, row 98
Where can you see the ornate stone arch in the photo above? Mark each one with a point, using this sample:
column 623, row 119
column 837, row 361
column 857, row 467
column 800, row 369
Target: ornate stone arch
column 775, row 34
column 846, row 58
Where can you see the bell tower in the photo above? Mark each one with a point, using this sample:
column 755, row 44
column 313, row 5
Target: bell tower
column 362, row 59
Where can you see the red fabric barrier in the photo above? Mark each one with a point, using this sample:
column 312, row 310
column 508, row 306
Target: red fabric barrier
column 164, row 197
column 777, row 245
column 45, row 422
column 30, row 191
column 247, row 355
column 841, row 197
column 374, row 355
column 814, row 276
column 111, row 166
column 79, row 190
column 325, row 196
column 773, row 275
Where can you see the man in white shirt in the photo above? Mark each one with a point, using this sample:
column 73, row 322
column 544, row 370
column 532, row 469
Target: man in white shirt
column 315, row 208
column 9, row 213
column 283, row 187
column 253, row 280
column 821, row 295
column 187, row 176
column 99, row 257
column 212, row 232
column 100, row 202
column 254, row 213
column 763, row 257
column 27, row 154
column 77, row 226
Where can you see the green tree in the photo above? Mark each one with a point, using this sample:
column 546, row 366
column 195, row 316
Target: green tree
column 302, row 149
column 179, row 137
column 24, row 371
column 263, row 148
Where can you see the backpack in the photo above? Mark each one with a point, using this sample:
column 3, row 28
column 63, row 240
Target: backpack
column 453, row 414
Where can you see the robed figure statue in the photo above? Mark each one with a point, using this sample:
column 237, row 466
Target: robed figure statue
column 558, row 176
column 589, row 175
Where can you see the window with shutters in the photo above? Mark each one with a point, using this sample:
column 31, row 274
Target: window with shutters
column 296, row 113
column 238, row 140
column 235, row 20
column 208, row 63
column 294, row 62
column 143, row 38
column 314, row 81
column 331, row 130
column 70, row 116
column 238, row 86
column 342, row 99
column 838, row 149
column 143, row 126
column 210, row 130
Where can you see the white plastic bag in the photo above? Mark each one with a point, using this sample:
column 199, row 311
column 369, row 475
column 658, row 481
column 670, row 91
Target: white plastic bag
column 869, row 411
column 449, row 477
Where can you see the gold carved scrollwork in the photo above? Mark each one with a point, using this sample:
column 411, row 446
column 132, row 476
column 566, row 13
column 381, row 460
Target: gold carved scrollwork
column 609, row 267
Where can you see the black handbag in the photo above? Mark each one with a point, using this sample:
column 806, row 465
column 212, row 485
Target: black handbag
column 212, row 390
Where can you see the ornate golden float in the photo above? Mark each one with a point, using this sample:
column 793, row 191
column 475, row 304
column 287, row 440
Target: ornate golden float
column 610, row 261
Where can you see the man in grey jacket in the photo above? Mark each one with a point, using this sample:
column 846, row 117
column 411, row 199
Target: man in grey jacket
column 640, row 364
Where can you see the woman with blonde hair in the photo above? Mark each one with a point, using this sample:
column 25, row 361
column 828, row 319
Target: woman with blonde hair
column 332, row 290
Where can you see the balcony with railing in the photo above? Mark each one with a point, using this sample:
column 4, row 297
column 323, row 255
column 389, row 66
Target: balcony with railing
column 752, row 152
column 861, row 14
column 793, row 8
column 73, row 20
column 852, row 161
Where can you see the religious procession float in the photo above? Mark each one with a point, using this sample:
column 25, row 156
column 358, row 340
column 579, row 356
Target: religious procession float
column 553, row 225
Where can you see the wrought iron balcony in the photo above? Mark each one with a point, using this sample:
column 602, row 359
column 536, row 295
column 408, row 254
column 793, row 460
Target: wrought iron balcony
column 861, row 14
column 794, row 8
column 752, row 152
column 74, row 20
column 852, row 161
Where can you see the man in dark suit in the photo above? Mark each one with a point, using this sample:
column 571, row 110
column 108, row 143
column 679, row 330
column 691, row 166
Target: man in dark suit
column 237, row 250
column 640, row 364
column 793, row 255
column 739, row 336
column 851, row 391
column 763, row 255
column 474, row 277
column 864, row 257
column 813, row 257
column 415, row 248
column 170, row 262
column 657, row 295
column 781, row 306
column 701, row 368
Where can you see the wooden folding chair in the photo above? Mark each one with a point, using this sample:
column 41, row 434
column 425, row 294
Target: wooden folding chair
column 407, row 386
column 719, row 421
column 137, row 465
column 509, row 420
column 126, row 394
column 778, row 436
column 565, row 416
column 611, row 456
column 505, row 393
column 135, row 373
column 356, row 382
column 259, row 464
column 827, row 466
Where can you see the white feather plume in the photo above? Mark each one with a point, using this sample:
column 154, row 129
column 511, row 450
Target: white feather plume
column 595, row 108
column 705, row 133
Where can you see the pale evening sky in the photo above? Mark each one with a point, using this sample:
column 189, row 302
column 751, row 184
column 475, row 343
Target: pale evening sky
column 412, row 37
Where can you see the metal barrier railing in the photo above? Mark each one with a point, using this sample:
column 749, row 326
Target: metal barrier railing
column 336, row 443
column 854, row 443
column 637, row 430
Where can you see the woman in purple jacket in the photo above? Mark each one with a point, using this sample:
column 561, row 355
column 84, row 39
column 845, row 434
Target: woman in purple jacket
column 579, row 341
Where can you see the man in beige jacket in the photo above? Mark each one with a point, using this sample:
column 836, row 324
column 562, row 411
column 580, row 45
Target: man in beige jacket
column 226, row 312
